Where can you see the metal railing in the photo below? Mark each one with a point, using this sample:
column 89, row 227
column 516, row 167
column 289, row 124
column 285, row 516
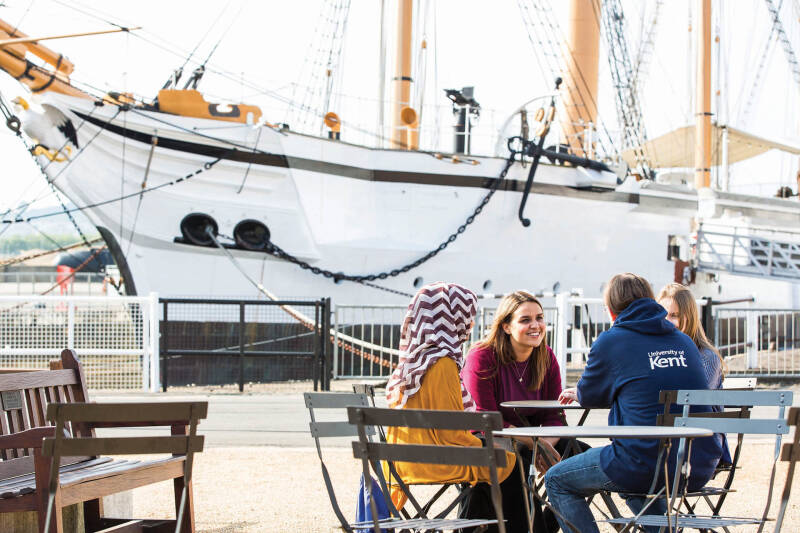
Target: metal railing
column 225, row 341
column 81, row 284
column 759, row 342
column 753, row 341
column 378, row 325
column 755, row 253
column 115, row 338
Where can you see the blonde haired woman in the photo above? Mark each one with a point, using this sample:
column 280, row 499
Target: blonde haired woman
column 681, row 309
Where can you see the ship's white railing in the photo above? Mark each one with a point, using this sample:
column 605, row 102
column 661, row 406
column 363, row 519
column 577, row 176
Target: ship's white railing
column 749, row 253
column 115, row 338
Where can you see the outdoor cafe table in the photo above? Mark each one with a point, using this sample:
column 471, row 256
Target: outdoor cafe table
column 589, row 432
column 546, row 404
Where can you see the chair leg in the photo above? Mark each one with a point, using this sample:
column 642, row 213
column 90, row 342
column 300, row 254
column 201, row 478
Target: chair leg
column 187, row 524
column 42, row 476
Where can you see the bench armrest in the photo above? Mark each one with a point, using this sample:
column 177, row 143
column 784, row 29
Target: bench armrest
column 30, row 438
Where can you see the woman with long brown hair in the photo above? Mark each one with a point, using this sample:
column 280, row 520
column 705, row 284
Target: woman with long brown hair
column 513, row 362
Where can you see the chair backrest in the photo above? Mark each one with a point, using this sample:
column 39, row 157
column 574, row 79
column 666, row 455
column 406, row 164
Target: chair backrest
column 371, row 453
column 333, row 406
column 739, row 398
column 97, row 415
column 735, row 398
column 791, row 453
column 24, row 398
column 739, row 383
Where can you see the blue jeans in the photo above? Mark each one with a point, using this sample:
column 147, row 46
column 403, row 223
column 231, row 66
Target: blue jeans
column 572, row 480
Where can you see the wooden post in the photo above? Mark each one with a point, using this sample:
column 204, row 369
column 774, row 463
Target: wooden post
column 402, row 78
column 702, row 150
column 579, row 91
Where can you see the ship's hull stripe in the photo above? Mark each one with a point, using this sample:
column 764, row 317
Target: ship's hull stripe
column 387, row 176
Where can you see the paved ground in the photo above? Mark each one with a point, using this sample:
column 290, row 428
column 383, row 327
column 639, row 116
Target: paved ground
column 269, row 418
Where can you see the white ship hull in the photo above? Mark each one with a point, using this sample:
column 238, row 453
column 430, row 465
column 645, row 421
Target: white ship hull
column 358, row 210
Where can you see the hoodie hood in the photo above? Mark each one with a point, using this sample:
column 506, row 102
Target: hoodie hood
column 646, row 316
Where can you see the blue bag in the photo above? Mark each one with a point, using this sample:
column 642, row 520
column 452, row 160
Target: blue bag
column 363, row 509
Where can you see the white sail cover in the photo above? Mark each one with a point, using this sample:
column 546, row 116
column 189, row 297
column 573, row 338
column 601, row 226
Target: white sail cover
column 676, row 148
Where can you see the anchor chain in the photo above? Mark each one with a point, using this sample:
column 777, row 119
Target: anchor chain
column 279, row 252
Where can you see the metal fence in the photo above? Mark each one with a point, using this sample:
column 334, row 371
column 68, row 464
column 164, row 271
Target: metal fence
column 226, row 341
column 753, row 342
column 378, row 326
column 759, row 342
column 79, row 284
column 115, row 338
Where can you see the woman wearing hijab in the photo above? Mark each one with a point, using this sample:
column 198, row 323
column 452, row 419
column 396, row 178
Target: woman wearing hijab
column 438, row 322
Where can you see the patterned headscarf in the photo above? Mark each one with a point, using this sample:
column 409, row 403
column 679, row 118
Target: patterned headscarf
column 436, row 325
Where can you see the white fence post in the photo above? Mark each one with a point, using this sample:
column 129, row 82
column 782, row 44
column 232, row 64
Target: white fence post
column 335, row 312
column 155, row 367
column 70, row 324
column 751, row 328
column 560, row 330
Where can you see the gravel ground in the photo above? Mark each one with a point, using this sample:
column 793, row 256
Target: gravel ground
column 281, row 490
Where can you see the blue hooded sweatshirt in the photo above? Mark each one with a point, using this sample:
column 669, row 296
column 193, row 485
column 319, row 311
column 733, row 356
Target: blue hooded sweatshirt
column 628, row 365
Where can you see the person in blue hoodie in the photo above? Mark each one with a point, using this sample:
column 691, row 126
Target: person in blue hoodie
column 628, row 365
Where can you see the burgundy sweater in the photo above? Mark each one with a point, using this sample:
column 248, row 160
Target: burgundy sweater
column 505, row 386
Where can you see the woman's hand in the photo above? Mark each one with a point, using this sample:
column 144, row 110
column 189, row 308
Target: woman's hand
column 546, row 457
column 568, row 396
column 525, row 441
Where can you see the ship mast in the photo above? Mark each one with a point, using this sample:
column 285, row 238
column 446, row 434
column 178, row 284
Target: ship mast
column 702, row 149
column 404, row 133
column 580, row 84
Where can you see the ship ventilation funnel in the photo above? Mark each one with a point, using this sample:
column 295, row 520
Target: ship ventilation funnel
column 194, row 229
column 251, row 235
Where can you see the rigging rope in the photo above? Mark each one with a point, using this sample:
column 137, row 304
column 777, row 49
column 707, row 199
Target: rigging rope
column 187, row 177
column 22, row 259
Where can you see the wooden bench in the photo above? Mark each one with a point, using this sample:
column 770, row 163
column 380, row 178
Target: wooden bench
column 29, row 446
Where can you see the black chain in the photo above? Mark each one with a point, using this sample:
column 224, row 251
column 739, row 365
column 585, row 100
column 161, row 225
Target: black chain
column 277, row 251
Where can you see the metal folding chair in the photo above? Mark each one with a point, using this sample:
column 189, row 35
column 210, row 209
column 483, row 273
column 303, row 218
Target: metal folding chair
column 719, row 424
column 372, row 453
column 320, row 429
column 791, row 453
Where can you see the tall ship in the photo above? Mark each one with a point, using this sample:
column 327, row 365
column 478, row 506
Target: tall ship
column 200, row 196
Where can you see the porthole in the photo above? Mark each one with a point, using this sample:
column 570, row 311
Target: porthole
column 487, row 284
column 556, row 286
column 418, row 282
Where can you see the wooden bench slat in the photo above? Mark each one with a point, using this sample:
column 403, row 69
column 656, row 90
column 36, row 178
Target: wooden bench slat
column 124, row 445
column 151, row 412
column 114, row 468
column 44, row 378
